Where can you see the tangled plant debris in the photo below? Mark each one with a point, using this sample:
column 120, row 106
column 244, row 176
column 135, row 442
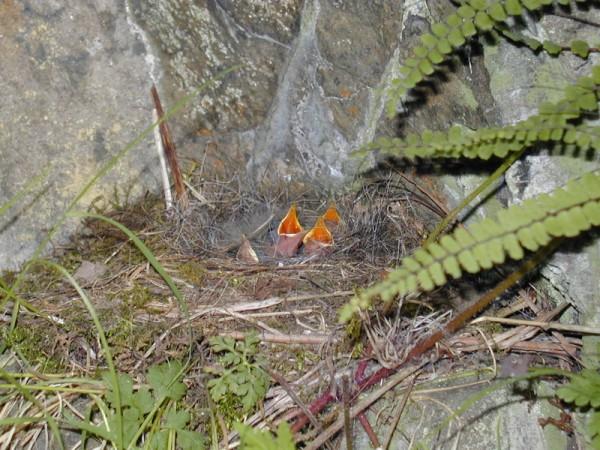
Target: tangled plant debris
column 222, row 260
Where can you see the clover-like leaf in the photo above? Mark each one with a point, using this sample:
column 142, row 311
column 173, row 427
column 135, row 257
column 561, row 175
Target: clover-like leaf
column 177, row 420
column 165, row 380
column 131, row 423
column 125, row 388
column 159, row 440
column 217, row 388
column 191, row 440
column 220, row 344
column 256, row 439
column 143, row 400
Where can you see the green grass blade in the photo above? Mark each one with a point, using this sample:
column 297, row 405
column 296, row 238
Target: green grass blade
column 145, row 251
column 491, row 179
column 103, row 342
column 166, row 277
column 24, row 420
column 25, row 393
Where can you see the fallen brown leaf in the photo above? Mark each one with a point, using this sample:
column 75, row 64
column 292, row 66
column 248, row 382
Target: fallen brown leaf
column 246, row 253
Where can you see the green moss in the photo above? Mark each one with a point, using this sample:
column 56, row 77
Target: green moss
column 490, row 328
column 71, row 261
column 236, row 282
column 193, row 272
column 138, row 296
column 40, row 277
column 354, row 329
column 303, row 356
column 357, row 350
column 122, row 334
column 29, row 342
column 230, row 408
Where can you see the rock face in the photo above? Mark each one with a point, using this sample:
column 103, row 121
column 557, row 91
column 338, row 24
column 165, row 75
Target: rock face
column 502, row 419
column 75, row 79
column 309, row 88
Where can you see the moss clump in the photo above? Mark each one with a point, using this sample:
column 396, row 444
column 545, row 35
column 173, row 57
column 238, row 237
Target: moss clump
column 38, row 279
column 29, row 343
column 71, row 261
column 138, row 296
column 122, row 333
column 303, row 356
column 193, row 272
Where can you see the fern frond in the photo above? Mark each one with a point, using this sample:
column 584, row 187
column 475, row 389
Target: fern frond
column 577, row 47
column 566, row 212
column 552, row 123
column 471, row 18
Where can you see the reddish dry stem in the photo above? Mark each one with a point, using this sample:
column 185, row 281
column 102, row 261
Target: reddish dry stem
column 369, row 430
column 429, row 341
column 316, row 407
column 169, row 148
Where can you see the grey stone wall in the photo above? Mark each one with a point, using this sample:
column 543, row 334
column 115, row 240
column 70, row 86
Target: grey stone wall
column 75, row 79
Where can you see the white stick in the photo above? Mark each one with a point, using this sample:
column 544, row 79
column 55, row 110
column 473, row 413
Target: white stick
column 163, row 164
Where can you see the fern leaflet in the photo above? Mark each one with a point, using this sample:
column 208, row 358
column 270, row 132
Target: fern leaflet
column 528, row 226
column 553, row 123
column 471, row 18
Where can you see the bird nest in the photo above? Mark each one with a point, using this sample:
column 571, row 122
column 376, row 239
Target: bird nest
column 291, row 299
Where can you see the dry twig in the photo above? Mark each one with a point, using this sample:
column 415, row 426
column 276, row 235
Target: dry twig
column 170, row 152
column 396, row 420
column 283, row 338
column 362, row 405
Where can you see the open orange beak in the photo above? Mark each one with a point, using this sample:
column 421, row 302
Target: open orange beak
column 290, row 225
column 290, row 234
column 319, row 234
column 331, row 216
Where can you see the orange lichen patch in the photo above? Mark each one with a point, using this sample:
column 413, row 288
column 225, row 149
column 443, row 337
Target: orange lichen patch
column 204, row 132
column 290, row 225
column 332, row 216
column 345, row 92
column 319, row 233
column 353, row 111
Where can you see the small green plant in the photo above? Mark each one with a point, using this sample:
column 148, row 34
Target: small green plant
column 529, row 226
column 534, row 225
column 583, row 391
column 241, row 379
column 254, row 439
column 141, row 410
column 471, row 19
